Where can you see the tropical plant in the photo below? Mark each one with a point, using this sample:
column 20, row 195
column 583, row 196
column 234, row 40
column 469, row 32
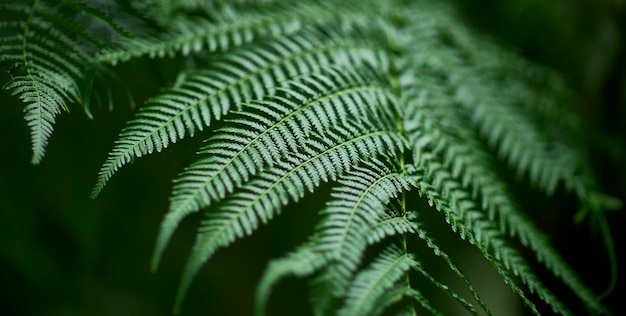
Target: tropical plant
column 397, row 106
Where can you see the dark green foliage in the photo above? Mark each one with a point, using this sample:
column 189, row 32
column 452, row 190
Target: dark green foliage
column 384, row 101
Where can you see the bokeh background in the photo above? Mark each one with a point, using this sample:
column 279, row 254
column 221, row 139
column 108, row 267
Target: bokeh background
column 62, row 253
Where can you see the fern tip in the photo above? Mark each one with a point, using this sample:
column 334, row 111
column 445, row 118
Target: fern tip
column 94, row 193
column 37, row 157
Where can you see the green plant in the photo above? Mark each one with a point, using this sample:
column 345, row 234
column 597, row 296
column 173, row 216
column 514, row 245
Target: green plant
column 390, row 103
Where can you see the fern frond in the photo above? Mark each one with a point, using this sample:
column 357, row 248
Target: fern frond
column 497, row 200
column 46, row 68
column 355, row 207
column 49, row 50
column 274, row 127
column 302, row 262
column 407, row 225
column 257, row 201
column 224, row 29
column 499, row 96
column 266, row 132
column 470, row 163
column 241, row 76
column 343, row 220
column 367, row 183
column 381, row 276
column 440, row 204
column 469, row 222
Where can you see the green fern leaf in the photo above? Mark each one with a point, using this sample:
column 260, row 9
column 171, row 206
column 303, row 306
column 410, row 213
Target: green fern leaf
column 465, row 218
column 268, row 131
column 223, row 29
column 469, row 162
column 324, row 250
column 371, row 284
column 50, row 59
column 238, row 77
column 369, row 185
column 355, row 207
column 440, row 204
column 261, row 198
column 43, row 78
column 391, row 224
column 504, row 110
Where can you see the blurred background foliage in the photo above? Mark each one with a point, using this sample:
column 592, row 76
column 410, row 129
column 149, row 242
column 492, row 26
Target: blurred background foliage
column 62, row 253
